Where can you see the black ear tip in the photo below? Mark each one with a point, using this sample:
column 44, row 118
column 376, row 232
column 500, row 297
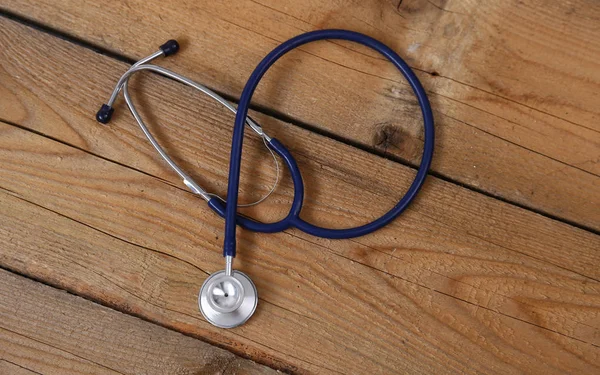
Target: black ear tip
column 104, row 114
column 170, row 47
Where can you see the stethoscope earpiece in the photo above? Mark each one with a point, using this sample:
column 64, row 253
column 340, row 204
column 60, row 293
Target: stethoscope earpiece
column 104, row 114
column 169, row 48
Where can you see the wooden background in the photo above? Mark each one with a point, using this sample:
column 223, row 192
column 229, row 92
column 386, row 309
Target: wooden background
column 493, row 269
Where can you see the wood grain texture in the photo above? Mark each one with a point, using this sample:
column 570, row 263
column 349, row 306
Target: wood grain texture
column 24, row 351
column 514, row 84
column 474, row 284
column 45, row 330
column 448, row 313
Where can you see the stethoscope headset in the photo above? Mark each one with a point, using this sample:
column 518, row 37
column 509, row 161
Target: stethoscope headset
column 228, row 298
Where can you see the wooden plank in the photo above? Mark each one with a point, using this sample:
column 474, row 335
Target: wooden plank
column 48, row 331
column 493, row 289
column 515, row 118
column 473, row 319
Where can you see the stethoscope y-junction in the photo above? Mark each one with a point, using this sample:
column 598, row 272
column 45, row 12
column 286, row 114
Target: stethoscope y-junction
column 228, row 298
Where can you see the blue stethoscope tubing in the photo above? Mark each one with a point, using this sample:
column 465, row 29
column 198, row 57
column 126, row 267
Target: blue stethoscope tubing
column 293, row 218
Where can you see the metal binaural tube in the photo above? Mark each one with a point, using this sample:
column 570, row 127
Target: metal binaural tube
column 169, row 48
column 187, row 180
column 186, row 81
column 123, row 84
column 119, row 86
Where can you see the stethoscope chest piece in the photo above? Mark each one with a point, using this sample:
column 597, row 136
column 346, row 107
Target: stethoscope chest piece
column 227, row 301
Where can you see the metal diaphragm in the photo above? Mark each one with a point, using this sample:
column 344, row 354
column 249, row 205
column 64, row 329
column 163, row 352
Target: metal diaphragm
column 227, row 301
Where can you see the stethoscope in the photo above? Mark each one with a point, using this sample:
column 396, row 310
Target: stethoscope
column 228, row 298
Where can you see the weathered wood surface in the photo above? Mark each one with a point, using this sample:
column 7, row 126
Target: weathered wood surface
column 47, row 331
column 462, row 283
column 514, row 84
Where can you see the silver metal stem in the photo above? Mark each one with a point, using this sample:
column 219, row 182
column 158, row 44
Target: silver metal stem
column 228, row 265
